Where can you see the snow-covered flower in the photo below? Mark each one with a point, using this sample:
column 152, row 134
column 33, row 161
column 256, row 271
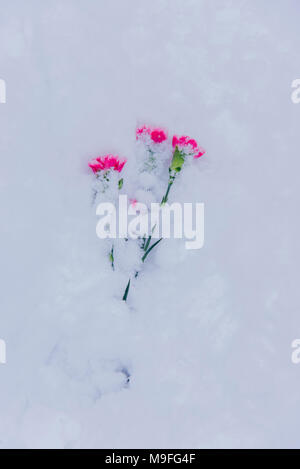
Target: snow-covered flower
column 157, row 157
column 187, row 146
column 105, row 167
column 157, row 135
column 183, row 146
column 107, row 181
column 153, row 148
column 107, row 162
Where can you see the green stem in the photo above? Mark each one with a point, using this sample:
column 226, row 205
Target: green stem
column 165, row 197
column 164, row 200
column 146, row 244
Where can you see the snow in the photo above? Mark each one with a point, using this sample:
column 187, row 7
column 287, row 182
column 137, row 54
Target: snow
column 200, row 357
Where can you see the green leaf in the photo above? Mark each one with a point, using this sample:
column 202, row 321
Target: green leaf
column 177, row 161
column 126, row 291
column 147, row 243
column 120, row 183
column 112, row 258
column 150, row 249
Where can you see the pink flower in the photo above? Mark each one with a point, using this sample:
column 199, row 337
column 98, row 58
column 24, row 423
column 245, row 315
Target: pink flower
column 192, row 142
column 120, row 165
column 107, row 162
column 201, row 152
column 142, row 130
column 184, row 142
column 158, row 135
column 95, row 166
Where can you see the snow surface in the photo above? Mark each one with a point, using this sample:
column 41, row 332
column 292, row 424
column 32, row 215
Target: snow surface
column 201, row 355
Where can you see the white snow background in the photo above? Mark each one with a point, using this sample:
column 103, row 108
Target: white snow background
column 201, row 355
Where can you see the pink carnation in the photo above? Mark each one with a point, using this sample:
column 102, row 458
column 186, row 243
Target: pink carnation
column 185, row 141
column 201, row 152
column 95, row 166
column 158, row 135
column 142, row 130
column 107, row 162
